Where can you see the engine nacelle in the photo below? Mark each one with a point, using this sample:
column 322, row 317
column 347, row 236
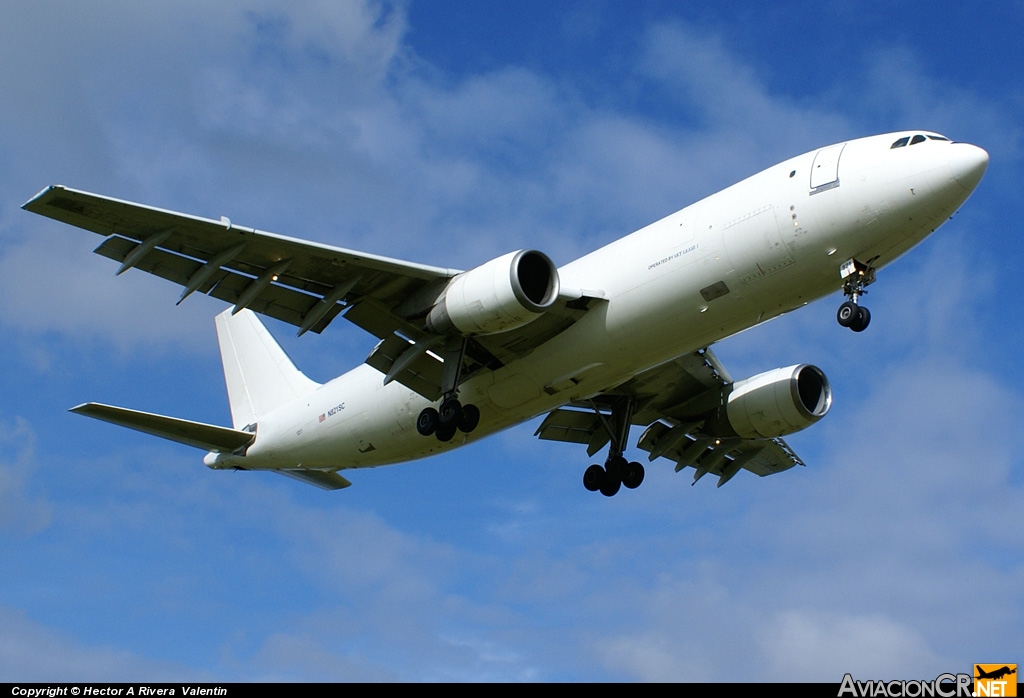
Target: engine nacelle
column 774, row 403
column 503, row 294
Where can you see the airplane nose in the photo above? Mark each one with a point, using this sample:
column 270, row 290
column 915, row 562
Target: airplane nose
column 968, row 163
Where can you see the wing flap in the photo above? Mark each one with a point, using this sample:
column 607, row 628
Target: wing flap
column 570, row 426
column 689, row 447
column 208, row 437
column 377, row 319
column 773, row 456
column 276, row 301
column 422, row 374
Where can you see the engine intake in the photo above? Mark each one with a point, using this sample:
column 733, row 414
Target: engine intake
column 501, row 295
column 774, row 403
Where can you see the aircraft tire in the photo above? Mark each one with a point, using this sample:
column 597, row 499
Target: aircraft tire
column 469, row 417
column 847, row 314
column 634, row 476
column 618, row 468
column 445, row 432
column 862, row 321
column 611, row 486
column 594, row 477
column 449, row 412
column 426, row 423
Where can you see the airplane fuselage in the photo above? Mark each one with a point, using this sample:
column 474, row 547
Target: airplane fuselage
column 760, row 248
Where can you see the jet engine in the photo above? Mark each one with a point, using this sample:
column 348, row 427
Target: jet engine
column 503, row 294
column 774, row 403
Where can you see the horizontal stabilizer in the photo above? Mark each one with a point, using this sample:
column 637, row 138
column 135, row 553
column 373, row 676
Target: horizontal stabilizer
column 205, row 436
column 324, row 479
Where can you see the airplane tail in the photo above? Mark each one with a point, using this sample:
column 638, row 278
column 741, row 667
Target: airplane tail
column 259, row 375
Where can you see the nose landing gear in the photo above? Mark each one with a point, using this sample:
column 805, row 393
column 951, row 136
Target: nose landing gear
column 856, row 275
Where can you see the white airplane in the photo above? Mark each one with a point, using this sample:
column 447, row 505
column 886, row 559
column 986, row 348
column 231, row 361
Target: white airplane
column 614, row 339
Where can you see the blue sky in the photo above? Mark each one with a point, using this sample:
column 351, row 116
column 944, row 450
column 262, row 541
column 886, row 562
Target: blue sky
column 450, row 133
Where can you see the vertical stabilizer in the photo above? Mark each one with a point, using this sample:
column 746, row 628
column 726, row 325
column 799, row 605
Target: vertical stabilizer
column 259, row 375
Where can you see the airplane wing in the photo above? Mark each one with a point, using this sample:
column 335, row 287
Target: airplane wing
column 302, row 283
column 672, row 399
column 305, row 284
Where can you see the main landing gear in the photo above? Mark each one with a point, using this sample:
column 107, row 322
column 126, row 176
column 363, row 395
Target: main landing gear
column 856, row 275
column 617, row 471
column 451, row 416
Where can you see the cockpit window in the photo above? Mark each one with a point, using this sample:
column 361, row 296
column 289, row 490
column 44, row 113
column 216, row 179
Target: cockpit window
column 918, row 138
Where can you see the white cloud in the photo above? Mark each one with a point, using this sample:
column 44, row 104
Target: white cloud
column 897, row 88
column 31, row 652
column 22, row 510
column 54, row 283
column 803, row 645
column 136, row 130
column 648, row 658
column 743, row 123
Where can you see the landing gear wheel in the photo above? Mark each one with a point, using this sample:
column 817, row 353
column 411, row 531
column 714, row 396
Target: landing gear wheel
column 860, row 323
column 468, row 418
column 426, row 423
column 594, row 478
column 847, row 314
column 634, row 476
column 445, row 432
column 617, row 468
column 611, row 486
column 449, row 412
